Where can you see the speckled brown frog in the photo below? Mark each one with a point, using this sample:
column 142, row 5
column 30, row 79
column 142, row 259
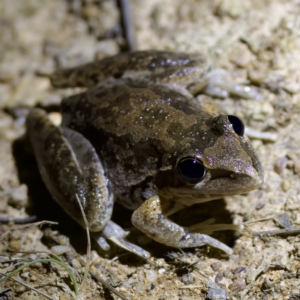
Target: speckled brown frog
column 139, row 136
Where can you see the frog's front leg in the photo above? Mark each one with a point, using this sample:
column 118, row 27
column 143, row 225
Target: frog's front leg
column 150, row 218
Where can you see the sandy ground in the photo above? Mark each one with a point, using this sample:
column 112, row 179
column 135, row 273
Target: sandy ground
column 258, row 43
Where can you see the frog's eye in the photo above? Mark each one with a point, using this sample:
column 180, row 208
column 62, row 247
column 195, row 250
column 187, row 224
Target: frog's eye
column 191, row 170
column 237, row 124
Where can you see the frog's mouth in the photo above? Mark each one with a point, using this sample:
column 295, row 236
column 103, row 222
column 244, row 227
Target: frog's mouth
column 216, row 185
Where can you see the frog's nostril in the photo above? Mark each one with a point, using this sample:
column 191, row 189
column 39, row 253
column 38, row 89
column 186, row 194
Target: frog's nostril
column 237, row 124
column 191, row 170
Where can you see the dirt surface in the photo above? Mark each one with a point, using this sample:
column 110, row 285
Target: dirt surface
column 258, row 42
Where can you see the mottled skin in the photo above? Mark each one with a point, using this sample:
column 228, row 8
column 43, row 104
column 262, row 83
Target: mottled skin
column 141, row 67
column 126, row 135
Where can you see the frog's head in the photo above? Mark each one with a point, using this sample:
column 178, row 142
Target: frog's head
column 221, row 162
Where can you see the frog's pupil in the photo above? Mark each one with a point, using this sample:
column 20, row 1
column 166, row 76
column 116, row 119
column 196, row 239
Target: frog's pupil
column 191, row 170
column 237, row 124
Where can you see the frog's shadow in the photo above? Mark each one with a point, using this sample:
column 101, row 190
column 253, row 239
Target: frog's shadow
column 45, row 208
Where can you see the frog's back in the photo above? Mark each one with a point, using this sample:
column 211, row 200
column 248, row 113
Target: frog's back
column 136, row 131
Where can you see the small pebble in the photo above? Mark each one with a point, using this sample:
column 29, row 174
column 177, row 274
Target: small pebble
column 216, row 265
column 237, row 286
column 285, row 185
column 260, row 204
column 15, row 245
column 215, row 292
column 280, row 164
column 239, row 270
column 25, row 275
column 151, row 275
column 219, row 277
column 33, row 278
column 241, row 56
column 55, row 118
column 188, row 278
column 59, row 250
column 258, row 72
column 18, row 196
column 139, row 287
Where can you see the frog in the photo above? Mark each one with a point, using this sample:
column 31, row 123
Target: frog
column 139, row 135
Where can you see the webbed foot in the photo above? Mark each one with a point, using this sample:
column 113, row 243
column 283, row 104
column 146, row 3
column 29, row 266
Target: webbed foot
column 116, row 234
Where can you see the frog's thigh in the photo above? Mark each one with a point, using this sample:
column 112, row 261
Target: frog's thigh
column 150, row 219
column 70, row 169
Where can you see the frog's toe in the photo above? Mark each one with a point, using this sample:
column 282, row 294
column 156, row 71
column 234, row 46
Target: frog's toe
column 116, row 234
column 221, row 85
column 101, row 241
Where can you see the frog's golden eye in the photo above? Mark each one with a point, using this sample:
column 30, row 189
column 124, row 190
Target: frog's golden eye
column 191, row 170
column 237, row 124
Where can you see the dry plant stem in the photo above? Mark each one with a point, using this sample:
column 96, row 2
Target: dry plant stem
column 18, row 227
column 36, row 224
column 259, row 220
column 31, row 288
column 128, row 24
column 88, row 251
column 7, row 259
column 18, row 221
column 288, row 231
column 191, row 287
column 37, row 252
column 87, row 262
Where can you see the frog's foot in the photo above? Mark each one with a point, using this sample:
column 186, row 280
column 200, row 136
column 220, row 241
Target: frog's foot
column 116, row 234
column 149, row 218
column 221, row 86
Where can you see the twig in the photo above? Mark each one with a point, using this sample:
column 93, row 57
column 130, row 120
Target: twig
column 35, row 224
column 7, row 259
column 18, row 221
column 39, row 252
column 18, row 227
column 127, row 24
column 259, row 220
column 283, row 232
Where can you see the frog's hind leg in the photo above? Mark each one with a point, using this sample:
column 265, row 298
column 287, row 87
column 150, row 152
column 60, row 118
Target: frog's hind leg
column 150, row 219
column 221, row 85
column 71, row 169
column 140, row 67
